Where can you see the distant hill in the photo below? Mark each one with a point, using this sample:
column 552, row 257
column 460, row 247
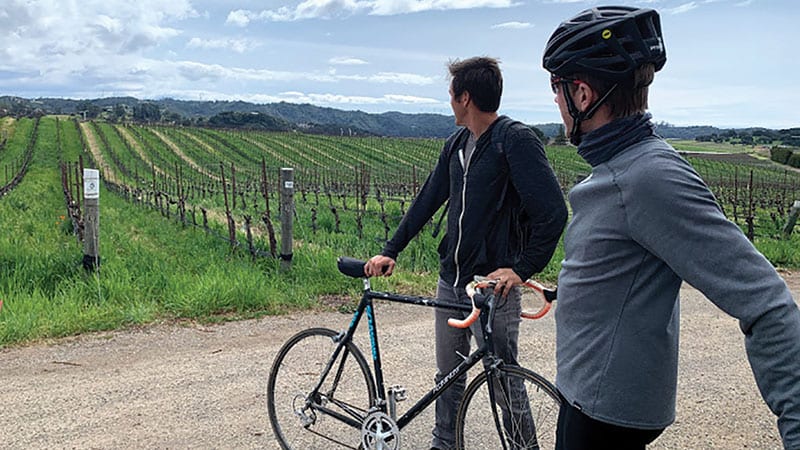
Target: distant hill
column 300, row 116
column 668, row 131
column 285, row 116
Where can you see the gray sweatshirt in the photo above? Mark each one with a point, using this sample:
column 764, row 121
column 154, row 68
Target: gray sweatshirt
column 642, row 223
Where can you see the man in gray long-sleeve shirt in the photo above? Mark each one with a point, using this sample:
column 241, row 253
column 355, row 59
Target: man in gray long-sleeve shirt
column 643, row 223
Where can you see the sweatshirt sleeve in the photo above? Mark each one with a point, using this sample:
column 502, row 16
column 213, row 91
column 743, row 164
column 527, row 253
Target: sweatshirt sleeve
column 434, row 192
column 542, row 199
column 671, row 212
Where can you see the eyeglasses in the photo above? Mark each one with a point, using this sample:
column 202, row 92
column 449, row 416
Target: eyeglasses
column 556, row 80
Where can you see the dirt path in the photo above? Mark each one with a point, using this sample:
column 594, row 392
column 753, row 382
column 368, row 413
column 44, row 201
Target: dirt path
column 6, row 124
column 192, row 386
column 175, row 148
column 94, row 149
column 201, row 143
column 137, row 148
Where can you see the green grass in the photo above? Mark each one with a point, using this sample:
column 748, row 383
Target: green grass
column 155, row 269
column 717, row 147
column 12, row 154
column 151, row 269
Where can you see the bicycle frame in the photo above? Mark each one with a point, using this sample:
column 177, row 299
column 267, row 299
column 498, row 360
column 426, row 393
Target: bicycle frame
column 366, row 308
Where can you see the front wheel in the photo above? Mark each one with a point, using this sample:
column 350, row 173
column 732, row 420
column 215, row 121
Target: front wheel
column 331, row 417
column 523, row 416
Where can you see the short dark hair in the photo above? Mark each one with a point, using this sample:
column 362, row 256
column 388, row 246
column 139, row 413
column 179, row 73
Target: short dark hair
column 628, row 99
column 481, row 77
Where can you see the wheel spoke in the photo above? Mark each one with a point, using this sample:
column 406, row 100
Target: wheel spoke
column 523, row 414
column 333, row 416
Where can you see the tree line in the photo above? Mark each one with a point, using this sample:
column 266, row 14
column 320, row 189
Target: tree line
column 755, row 136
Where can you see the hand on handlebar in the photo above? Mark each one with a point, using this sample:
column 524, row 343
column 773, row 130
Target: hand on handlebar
column 505, row 279
column 378, row 266
column 536, row 299
column 473, row 290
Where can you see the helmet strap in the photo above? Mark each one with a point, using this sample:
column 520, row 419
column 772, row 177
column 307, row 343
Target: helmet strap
column 578, row 116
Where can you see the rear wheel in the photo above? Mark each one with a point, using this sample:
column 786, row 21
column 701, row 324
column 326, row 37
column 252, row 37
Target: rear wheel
column 304, row 421
column 523, row 415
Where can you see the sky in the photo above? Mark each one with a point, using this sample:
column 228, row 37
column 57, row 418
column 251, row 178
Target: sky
column 730, row 63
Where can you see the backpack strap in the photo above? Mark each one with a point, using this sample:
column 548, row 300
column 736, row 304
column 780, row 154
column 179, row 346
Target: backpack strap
column 500, row 129
column 499, row 134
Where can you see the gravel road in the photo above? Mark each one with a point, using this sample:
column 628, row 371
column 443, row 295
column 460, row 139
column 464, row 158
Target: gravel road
column 193, row 386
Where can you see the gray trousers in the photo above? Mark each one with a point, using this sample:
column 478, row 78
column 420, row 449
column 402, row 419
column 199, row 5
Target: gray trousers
column 450, row 342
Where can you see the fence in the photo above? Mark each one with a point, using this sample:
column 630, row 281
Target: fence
column 16, row 171
column 753, row 194
column 365, row 202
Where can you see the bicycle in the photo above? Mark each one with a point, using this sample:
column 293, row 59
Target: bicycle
column 321, row 390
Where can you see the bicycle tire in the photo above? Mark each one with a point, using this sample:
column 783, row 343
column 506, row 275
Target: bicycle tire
column 475, row 423
column 296, row 371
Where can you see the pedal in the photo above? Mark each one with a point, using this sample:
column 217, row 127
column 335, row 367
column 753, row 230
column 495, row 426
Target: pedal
column 398, row 393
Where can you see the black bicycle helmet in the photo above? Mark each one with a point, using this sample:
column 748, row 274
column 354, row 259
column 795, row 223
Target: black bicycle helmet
column 607, row 42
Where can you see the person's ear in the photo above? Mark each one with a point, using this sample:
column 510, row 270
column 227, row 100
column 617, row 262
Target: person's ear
column 584, row 97
column 464, row 100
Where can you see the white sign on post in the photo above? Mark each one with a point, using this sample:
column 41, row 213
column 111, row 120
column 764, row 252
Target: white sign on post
column 91, row 183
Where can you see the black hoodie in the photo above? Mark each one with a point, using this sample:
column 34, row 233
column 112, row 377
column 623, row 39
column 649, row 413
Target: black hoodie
column 505, row 208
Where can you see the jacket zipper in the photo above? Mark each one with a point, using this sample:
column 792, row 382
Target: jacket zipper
column 460, row 219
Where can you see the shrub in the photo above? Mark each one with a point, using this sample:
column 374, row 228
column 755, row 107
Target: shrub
column 780, row 154
column 794, row 160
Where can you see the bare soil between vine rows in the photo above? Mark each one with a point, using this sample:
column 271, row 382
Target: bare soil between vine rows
column 196, row 386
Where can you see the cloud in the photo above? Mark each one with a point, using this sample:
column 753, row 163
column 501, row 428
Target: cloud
column 347, row 61
column 196, row 71
column 393, row 7
column 328, row 9
column 512, row 25
column 399, row 78
column 309, row 9
column 409, row 99
column 237, row 45
column 47, row 35
column 686, row 7
column 339, row 99
column 238, row 17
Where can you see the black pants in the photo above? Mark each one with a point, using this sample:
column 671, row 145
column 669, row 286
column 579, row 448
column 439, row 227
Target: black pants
column 577, row 431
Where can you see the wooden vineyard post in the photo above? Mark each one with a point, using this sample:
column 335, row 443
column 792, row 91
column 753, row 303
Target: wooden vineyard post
column 750, row 219
column 78, row 173
column 793, row 213
column 231, row 224
column 91, row 204
column 287, row 216
column 266, row 216
column 233, row 185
